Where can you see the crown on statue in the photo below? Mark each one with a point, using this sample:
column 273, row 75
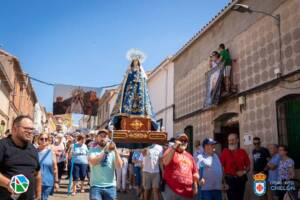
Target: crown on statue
column 259, row 177
column 135, row 54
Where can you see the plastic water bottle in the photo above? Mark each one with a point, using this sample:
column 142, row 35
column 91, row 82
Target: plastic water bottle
column 104, row 162
column 15, row 196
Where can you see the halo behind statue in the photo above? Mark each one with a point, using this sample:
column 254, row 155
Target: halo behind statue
column 133, row 54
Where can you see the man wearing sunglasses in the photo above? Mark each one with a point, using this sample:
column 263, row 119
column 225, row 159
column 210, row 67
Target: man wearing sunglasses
column 180, row 172
column 260, row 156
column 19, row 156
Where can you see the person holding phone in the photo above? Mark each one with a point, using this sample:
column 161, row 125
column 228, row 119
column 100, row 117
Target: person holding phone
column 104, row 159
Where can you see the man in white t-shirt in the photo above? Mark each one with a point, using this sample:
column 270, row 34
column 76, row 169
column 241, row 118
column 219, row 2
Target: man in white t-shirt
column 151, row 176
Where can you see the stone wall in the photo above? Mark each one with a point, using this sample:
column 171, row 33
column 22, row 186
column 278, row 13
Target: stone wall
column 260, row 116
column 202, row 125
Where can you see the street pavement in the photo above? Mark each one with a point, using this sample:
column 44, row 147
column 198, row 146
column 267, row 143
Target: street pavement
column 62, row 194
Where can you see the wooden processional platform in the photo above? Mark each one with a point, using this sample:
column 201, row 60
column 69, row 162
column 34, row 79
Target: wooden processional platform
column 138, row 130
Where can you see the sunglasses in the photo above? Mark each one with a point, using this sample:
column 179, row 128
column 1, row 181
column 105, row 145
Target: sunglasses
column 256, row 143
column 183, row 141
column 44, row 139
column 102, row 135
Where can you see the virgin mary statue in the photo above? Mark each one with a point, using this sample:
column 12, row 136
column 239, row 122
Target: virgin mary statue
column 133, row 98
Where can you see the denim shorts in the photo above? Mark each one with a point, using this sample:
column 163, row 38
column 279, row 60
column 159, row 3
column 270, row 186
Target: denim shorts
column 79, row 171
column 103, row 193
column 46, row 192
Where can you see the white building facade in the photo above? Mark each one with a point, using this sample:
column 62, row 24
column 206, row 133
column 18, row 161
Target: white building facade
column 106, row 105
column 84, row 121
column 40, row 117
column 161, row 91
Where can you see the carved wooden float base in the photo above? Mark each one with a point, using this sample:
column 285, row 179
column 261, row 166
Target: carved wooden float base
column 130, row 136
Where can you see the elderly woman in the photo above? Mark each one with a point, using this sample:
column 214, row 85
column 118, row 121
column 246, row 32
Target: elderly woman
column 47, row 159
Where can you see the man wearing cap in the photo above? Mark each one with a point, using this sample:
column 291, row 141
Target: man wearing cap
column 103, row 159
column 180, row 172
column 210, row 170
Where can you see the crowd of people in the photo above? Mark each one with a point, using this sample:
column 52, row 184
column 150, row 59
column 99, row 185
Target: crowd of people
column 157, row 172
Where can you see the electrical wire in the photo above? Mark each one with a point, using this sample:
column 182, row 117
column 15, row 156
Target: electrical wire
column 52, row 84
column 40, row 81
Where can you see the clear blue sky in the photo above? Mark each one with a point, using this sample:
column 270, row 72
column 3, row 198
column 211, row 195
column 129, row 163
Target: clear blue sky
column 84, row 42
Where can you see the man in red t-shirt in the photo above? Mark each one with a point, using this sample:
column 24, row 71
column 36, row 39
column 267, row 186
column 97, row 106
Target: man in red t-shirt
column 180, row 171
column 236, row 164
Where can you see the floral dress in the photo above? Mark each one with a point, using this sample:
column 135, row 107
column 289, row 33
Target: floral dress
column 283, row 169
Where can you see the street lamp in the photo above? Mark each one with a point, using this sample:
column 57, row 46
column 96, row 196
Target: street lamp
column 242, row 8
